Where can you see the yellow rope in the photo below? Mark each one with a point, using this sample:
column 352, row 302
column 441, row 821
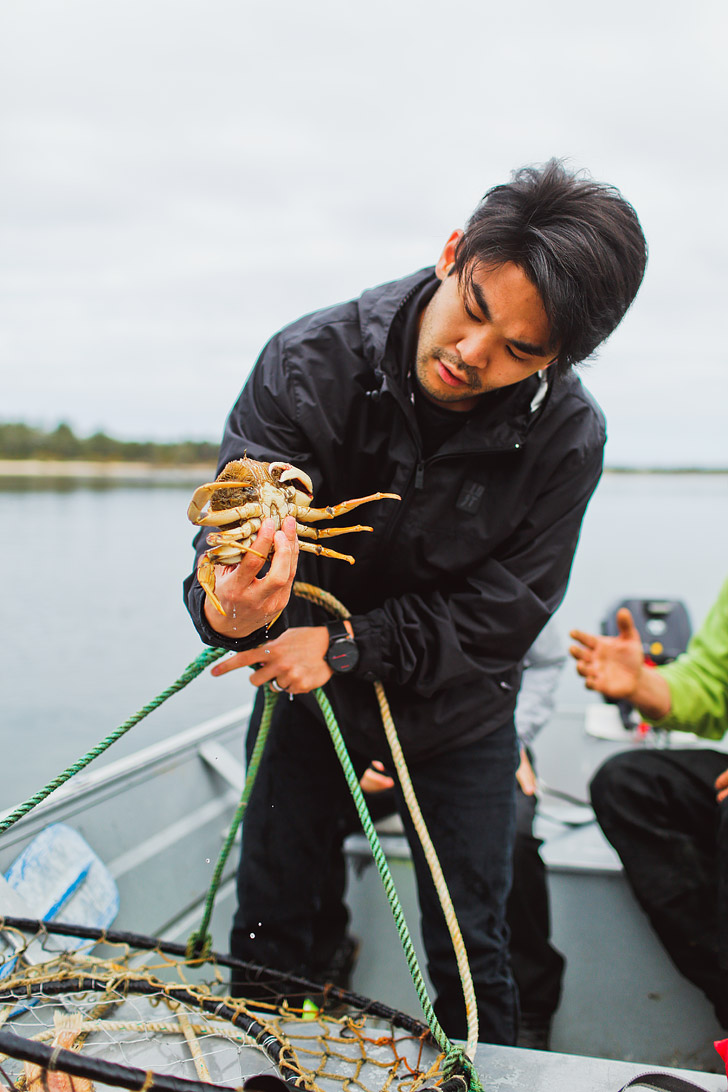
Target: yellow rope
column 334, row 606
column 189, row 1033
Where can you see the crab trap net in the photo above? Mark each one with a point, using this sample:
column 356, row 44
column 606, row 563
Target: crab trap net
column 125, row 1011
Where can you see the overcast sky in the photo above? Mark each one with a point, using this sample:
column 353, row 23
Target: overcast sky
column 179, row 179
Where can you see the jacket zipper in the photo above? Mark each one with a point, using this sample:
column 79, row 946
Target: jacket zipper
column 418, row 478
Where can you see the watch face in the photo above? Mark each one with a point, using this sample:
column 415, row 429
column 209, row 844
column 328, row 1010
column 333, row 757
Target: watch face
column 342, row 656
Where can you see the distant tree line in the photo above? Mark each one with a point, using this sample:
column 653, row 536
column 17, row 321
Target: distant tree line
column 19, row 441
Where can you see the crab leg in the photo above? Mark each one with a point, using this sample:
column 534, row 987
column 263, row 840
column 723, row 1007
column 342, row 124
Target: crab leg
column 226, row 551
column 206, row 578
column 311, row 548
column 234, row 534
column 311, row 515
column 327, row 532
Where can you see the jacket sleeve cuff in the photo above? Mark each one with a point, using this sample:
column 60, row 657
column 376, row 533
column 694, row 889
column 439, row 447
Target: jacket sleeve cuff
column 195, row 600
column 368, row 637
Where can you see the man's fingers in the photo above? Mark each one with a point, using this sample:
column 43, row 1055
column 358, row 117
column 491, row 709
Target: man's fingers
column 289, row 529
column 251, row 657
column 240, row 659
column 372, row 781
column 252, row 563
column 525, row 776
column 285, row 557
column 721, row 782
column 586, row 639
column 266, row 674
column 579, row 653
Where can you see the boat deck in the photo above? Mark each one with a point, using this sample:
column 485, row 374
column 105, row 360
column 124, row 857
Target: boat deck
column 157, row 819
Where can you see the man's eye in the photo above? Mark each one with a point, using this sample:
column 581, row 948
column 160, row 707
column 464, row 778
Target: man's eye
column 471, row 315
column 522, row 359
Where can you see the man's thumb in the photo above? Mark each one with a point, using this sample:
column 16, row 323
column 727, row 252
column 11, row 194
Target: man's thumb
column 625, row 623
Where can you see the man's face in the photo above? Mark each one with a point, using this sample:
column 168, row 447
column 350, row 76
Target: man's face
column 475, row 339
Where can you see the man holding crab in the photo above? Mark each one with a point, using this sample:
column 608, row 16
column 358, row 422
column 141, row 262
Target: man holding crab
column 454, row 389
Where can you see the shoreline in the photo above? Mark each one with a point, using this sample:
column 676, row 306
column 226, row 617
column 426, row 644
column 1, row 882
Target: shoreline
column 195, row 474
column 113, row 472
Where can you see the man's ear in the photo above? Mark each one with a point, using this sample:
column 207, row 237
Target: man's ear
column 447, row 259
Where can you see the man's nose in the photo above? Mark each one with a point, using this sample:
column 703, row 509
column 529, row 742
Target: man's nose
column 476, row 346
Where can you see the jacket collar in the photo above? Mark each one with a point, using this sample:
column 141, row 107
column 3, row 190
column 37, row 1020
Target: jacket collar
column 378, row 308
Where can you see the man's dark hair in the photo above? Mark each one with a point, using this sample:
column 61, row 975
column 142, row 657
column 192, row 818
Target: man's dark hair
column 578, row 241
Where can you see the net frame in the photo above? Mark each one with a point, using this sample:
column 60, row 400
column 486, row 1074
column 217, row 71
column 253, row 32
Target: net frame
column 258, row 1030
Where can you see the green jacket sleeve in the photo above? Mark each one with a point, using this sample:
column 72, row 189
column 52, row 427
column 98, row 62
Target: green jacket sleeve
column 698, row 679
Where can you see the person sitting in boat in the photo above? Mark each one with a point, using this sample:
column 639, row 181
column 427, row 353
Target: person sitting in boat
column 453, row 388
column 666, row 811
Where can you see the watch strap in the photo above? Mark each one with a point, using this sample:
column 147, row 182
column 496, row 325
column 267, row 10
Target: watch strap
column 338, row 631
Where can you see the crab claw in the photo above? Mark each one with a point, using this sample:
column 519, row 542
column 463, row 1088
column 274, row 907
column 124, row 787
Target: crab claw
column 200, row 498
column 288, row 474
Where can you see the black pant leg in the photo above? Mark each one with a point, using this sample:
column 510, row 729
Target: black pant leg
column 537, row 966
column 291, row 835
column 466, row 797
column 658, row 809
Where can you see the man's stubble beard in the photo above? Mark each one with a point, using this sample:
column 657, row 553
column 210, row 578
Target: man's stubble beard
column 473, row 383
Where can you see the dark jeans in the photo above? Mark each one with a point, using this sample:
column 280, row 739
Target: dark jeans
column 296, row 817
column 538, row 967
column 659, row 811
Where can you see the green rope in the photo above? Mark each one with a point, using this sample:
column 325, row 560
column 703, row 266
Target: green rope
column 198, row 665
column 455, row 1058
column 199, row 945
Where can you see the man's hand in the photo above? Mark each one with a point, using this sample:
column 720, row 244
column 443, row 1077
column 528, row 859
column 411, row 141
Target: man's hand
column 374, row 779
column 525, row 776
column 295, row 660
column 615, row 666
column 611, row 665
column 251, row 602
column 721, row 785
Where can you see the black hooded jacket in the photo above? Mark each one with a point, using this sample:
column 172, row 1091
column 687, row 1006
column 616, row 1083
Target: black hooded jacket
column 451, row 589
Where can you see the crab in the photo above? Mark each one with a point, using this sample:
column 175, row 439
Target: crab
column 243, row 495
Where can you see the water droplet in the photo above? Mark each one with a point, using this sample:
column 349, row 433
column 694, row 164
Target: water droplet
column 252, row 936
column 207, row 860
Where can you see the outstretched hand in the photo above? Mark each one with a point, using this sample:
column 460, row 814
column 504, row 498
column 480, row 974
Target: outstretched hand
column 249, row 601
column 293, row 662
column 611, row 665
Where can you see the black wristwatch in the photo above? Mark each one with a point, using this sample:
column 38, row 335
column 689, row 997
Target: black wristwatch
column 342, row 655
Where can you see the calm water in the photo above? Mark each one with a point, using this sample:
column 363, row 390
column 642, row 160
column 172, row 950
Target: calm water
column 94, row 624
